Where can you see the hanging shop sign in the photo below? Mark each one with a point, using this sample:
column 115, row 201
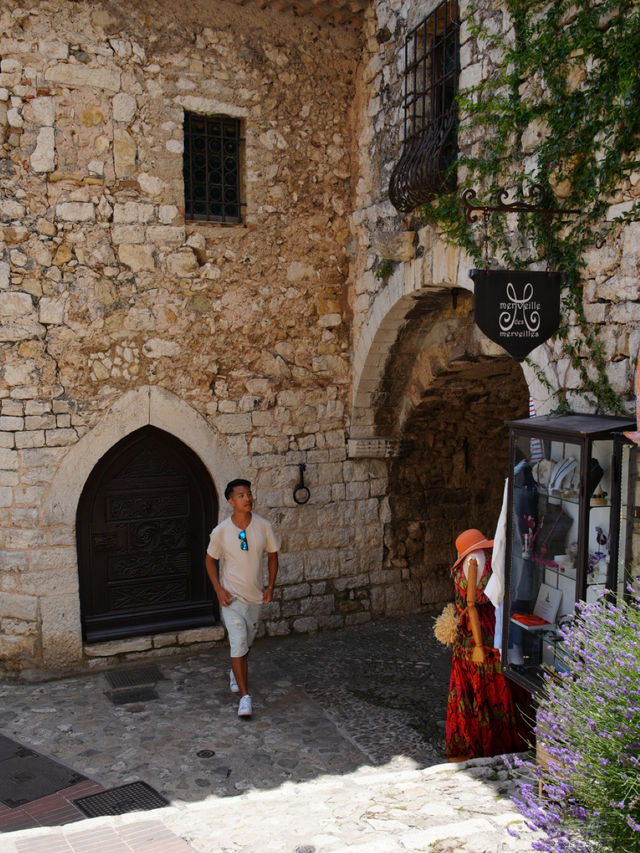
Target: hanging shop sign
column 517, row 309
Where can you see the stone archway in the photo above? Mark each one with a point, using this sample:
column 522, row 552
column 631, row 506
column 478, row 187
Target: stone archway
column 438, row 397
column 448, row 401
column 433, row 275
column 148, row 405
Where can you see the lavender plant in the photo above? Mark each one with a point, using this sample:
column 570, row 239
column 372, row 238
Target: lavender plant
column 587, row 795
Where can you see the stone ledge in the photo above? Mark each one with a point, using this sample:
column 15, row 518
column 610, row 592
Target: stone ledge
column 117, row 647
column 155, row 642
column 376, row 448
column 201, row 635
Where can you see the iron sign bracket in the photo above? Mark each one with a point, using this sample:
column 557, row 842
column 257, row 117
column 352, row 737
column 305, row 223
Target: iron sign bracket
column 537, row 204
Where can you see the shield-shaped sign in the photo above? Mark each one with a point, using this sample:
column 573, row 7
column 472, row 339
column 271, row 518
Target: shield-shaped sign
column 517, row 309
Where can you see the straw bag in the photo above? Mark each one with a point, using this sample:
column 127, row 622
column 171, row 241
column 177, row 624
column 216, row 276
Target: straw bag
column 446, row 625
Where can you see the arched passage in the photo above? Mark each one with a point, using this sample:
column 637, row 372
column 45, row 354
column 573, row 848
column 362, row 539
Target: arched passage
column 143, row 520
column 446, row 396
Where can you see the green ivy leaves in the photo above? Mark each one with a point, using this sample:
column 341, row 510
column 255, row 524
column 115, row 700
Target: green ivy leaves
column 560, row 106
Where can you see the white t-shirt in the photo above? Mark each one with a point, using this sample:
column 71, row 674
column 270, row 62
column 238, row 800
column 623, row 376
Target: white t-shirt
column 241, row 571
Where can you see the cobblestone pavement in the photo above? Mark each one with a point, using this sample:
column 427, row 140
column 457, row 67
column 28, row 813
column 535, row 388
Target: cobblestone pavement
column 344, row 750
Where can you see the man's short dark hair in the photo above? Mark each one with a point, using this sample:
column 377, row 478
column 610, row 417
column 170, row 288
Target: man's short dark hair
column 231, row 486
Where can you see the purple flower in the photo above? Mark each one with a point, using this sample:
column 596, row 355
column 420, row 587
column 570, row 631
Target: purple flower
column 589, row 723
column 631, row 822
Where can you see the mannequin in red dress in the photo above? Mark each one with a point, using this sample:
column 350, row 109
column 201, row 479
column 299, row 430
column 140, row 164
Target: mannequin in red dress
column 482, row 717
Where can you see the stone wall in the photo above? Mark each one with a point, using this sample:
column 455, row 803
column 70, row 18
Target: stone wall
column 410, row 383
column 419, row 257
column 105, row 290
column 280, row 342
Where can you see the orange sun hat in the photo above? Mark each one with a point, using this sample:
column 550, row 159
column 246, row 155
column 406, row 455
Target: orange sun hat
column 470, row 540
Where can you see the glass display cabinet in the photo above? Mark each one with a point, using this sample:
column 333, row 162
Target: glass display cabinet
column 570, row 498
column 624, row 565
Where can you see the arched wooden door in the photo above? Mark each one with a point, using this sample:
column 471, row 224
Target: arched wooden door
column 143, row 526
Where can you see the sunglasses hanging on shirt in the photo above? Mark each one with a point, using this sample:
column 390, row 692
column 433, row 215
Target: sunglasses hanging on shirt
column 242, row 536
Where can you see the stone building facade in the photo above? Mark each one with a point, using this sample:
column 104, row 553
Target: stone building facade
column 146, row 354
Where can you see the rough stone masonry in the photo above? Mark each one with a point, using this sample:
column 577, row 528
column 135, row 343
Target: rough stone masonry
column 106, row 290
column 261, row 346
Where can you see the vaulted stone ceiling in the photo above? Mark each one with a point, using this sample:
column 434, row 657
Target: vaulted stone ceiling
column 338, row 11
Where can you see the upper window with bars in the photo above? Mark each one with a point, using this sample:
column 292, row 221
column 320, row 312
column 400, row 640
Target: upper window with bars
column 432, row 68
column 211, row 168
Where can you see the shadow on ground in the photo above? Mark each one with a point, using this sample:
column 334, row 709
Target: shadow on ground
column 324, row 704
column 385, row 684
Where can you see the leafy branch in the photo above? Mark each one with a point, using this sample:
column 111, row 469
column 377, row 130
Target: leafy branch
column 559, row 106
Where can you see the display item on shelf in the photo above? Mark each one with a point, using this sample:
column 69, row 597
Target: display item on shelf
column 570, row 510
column 563, row 479
column 595, row 475
column 529, row 619
column 550, row 535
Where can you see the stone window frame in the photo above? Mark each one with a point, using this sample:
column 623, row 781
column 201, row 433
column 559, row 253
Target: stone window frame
column 221, row 201
column 431, row 79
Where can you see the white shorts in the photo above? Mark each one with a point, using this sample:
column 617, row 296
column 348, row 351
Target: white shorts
column 241, row 621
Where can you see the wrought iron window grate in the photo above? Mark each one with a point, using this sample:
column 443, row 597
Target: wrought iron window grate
column 432, row 68
column 211, row 167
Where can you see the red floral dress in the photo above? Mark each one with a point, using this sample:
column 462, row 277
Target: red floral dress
column 482, row 716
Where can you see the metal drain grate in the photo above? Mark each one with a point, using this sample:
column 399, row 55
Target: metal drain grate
column 131, row 695
column 136, row 796
column 140, row 676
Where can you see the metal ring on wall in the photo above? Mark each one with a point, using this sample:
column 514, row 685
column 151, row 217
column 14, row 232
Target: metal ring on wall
column 301, row 493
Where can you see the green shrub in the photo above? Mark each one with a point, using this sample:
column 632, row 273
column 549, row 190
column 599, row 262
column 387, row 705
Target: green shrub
column 588, row 725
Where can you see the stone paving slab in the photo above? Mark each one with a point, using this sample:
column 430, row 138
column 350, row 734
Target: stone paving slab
column 443, row 809
column 137, row 837
column 53, row 810
column 344, row 751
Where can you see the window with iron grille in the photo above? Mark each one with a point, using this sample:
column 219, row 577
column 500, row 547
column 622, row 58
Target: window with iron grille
column 432, row 68
column 211, row 168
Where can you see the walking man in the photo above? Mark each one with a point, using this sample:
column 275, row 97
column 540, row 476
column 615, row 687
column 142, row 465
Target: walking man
column 234, row 566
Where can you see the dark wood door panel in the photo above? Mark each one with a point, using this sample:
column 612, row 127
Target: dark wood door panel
column 142, row 527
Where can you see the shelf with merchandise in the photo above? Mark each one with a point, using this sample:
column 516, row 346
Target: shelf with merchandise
column 535, row 628
column 565, row 571
column 565, row 494
column 572, row 497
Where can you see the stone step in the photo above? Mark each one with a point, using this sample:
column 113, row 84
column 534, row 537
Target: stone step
column 447, row 808
column 464, row 808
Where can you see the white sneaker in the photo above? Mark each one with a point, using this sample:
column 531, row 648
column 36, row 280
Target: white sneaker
column 244, row 708
column 233, row 684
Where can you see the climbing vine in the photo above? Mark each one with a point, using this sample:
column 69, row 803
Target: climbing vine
column 559, row 106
